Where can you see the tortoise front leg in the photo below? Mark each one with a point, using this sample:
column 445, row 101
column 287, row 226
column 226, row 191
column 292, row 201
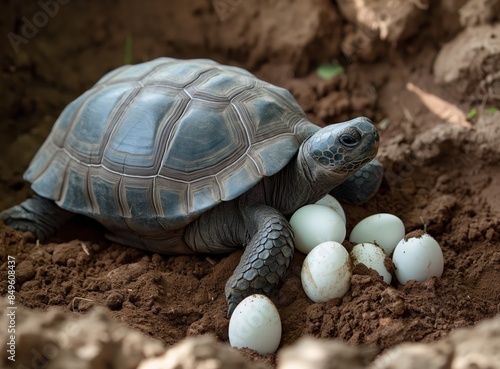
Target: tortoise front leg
column 266, row 257
column 362, row 185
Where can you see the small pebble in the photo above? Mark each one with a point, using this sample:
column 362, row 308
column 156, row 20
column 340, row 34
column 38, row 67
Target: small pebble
column 114, row 301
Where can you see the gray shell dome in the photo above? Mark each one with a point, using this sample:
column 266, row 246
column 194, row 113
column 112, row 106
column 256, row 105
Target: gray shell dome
column 166, row 139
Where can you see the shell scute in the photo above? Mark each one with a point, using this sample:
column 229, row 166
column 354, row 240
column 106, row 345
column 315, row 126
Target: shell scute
column 136, row 144
column 85, row 139
column 197, row 150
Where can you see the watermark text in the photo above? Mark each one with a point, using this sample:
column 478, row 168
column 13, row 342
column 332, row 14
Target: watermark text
column 30, row 26
column 11, row 308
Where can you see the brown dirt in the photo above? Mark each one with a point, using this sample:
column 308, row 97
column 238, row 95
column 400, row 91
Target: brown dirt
column 438, row 171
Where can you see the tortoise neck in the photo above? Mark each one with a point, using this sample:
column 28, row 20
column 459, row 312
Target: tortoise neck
column 299, row 184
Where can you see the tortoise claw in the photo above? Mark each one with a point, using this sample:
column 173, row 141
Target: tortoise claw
column 234, row 295
column 230, row 309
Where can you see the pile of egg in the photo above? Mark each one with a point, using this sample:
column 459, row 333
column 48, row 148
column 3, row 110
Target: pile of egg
column 319, row 230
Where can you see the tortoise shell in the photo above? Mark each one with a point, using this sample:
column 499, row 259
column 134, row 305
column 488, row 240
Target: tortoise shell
column 164, row 141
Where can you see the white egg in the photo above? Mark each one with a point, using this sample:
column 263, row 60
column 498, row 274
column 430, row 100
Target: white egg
column 332, row 203
column 314, row 224
column 418, row 258
column 373, row 257
column 326, row 272
column 386, row 230
column 255, row 324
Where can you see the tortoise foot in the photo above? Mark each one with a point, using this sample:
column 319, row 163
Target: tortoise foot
column 362, row 185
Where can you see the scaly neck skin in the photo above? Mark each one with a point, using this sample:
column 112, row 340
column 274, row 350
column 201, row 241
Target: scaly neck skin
column 296, row 185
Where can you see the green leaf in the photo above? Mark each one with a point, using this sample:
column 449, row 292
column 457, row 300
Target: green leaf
column 328, row 71
column 471, row 114
column 492, row 110
column 128, row 51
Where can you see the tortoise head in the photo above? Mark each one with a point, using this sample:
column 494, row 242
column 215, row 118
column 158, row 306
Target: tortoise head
column 337, row 151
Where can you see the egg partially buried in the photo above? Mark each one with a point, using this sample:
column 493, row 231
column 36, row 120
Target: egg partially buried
column 373, row 257
column 383, row 229
column 326, row 272
column 314, row 224
column 418, row 257
column 255, row 324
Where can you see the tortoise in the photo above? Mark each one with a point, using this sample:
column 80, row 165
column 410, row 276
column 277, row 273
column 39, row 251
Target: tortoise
column 191, row 156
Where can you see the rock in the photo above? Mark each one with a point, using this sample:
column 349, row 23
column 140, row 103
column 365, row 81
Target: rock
column 477, row 347
column 478, row 12
column 311, row 353
column 392, row 21
column 469, row 64
column 307, row 34
column 479, row 142
column 202, row 352
column 414, row 356
column 115, row 301
column 54, row 339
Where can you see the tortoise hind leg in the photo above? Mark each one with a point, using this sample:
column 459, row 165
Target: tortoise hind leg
column 266, row 257
column 38, row 215
column 362, row 185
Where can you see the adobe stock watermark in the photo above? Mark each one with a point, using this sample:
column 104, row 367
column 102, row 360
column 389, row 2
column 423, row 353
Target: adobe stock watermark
column 11, row 308
column 30, row 26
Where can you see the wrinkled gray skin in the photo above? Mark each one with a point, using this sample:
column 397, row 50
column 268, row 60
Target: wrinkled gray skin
column 337, row 159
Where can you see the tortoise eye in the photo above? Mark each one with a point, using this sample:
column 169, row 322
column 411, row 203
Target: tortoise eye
column 348, row 140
